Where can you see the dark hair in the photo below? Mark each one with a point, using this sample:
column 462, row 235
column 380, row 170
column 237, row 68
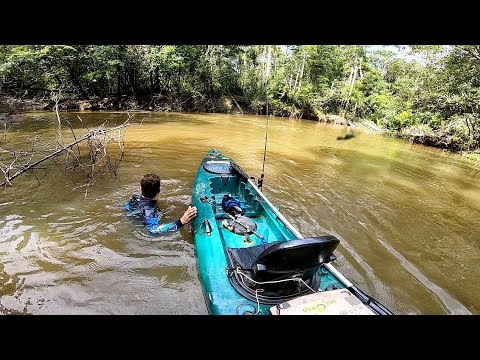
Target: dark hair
column 150, row 185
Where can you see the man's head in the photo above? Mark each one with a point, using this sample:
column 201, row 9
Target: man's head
column 150, row 185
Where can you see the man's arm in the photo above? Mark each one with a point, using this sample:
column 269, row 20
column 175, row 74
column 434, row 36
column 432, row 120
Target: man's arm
column 155, row 228
column 153, row 225
column 130, row 205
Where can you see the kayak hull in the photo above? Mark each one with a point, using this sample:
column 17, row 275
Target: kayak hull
column 214, row 243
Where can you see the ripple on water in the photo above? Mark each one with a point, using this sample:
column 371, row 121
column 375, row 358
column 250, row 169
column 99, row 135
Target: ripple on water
column 62, row 254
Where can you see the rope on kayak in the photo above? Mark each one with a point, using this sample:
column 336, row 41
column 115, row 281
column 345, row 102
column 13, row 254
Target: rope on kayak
column 272, row 281
column 245, row 312
column 249, row 312
column 240, row 272
column 258, row 301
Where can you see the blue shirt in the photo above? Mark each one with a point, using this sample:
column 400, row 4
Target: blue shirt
column 147, row 210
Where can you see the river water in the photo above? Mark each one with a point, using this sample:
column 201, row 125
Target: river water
column 407, row 216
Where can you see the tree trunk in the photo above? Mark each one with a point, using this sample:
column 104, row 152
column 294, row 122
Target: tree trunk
column 295, row 85
column 352, row 84
column 267, row 69
column 76, row 81
column 354, row 71
column 360, row 69
column 468, row 127
column 303, row 68
column 134, row 81
column 119, row 82
column 150, row 74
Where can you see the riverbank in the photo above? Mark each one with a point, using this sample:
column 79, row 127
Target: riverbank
column 160, row 103
column 11, row 106
column 454, row 138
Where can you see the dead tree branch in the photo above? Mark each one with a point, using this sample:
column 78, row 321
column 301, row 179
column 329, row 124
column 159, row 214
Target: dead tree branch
column 5, row 132
column 92, row 134
column 100, row 161
column 56, row 98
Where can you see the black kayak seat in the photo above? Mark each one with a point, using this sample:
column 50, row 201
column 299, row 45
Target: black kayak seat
column 244, row 258
column 281, row 259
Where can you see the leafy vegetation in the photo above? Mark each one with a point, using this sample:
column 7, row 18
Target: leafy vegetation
column 432, row 99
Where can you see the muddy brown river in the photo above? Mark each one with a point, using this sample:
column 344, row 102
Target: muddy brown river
column 407, row 216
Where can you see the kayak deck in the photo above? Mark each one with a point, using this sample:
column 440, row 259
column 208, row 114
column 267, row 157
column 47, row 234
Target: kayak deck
column 267, row 225
column 228, row 262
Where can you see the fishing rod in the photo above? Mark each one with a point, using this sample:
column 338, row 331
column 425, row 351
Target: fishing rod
column 262, row 176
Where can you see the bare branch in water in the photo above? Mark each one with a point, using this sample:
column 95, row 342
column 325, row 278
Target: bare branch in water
column 84, row 125
column 36, row 177
column 5, row 131
column 56, row 98
column 73, row 133
column 98, row 161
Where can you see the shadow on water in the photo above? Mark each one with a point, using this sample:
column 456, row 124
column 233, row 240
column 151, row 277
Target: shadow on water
column 346, row 136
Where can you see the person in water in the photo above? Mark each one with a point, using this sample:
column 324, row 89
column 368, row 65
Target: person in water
column 145, row 207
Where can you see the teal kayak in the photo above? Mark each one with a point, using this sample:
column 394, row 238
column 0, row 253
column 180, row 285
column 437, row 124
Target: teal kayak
column 251, row 260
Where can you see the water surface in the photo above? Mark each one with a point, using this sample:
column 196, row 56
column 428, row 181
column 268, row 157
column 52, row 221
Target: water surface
column 407, row 216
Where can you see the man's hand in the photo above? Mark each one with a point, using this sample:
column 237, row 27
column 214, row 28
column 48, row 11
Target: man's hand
column 188, row 215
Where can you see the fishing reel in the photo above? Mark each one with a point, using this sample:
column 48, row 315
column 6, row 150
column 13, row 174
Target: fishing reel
column 260, row 181
column 242, row 225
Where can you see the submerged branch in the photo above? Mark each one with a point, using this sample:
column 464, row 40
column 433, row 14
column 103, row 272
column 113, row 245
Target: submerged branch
column 5, row 131
column 91, row 134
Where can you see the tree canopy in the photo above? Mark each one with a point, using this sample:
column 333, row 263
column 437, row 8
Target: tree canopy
column 436, row 90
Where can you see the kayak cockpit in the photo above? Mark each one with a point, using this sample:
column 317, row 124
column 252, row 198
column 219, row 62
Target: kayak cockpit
column 265, row 260
column 251, row 260
column 281, row 270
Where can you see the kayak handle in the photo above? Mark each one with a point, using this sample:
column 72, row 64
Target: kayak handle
column 208, row 227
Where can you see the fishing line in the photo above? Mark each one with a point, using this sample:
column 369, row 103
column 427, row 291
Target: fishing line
column 262, row 176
